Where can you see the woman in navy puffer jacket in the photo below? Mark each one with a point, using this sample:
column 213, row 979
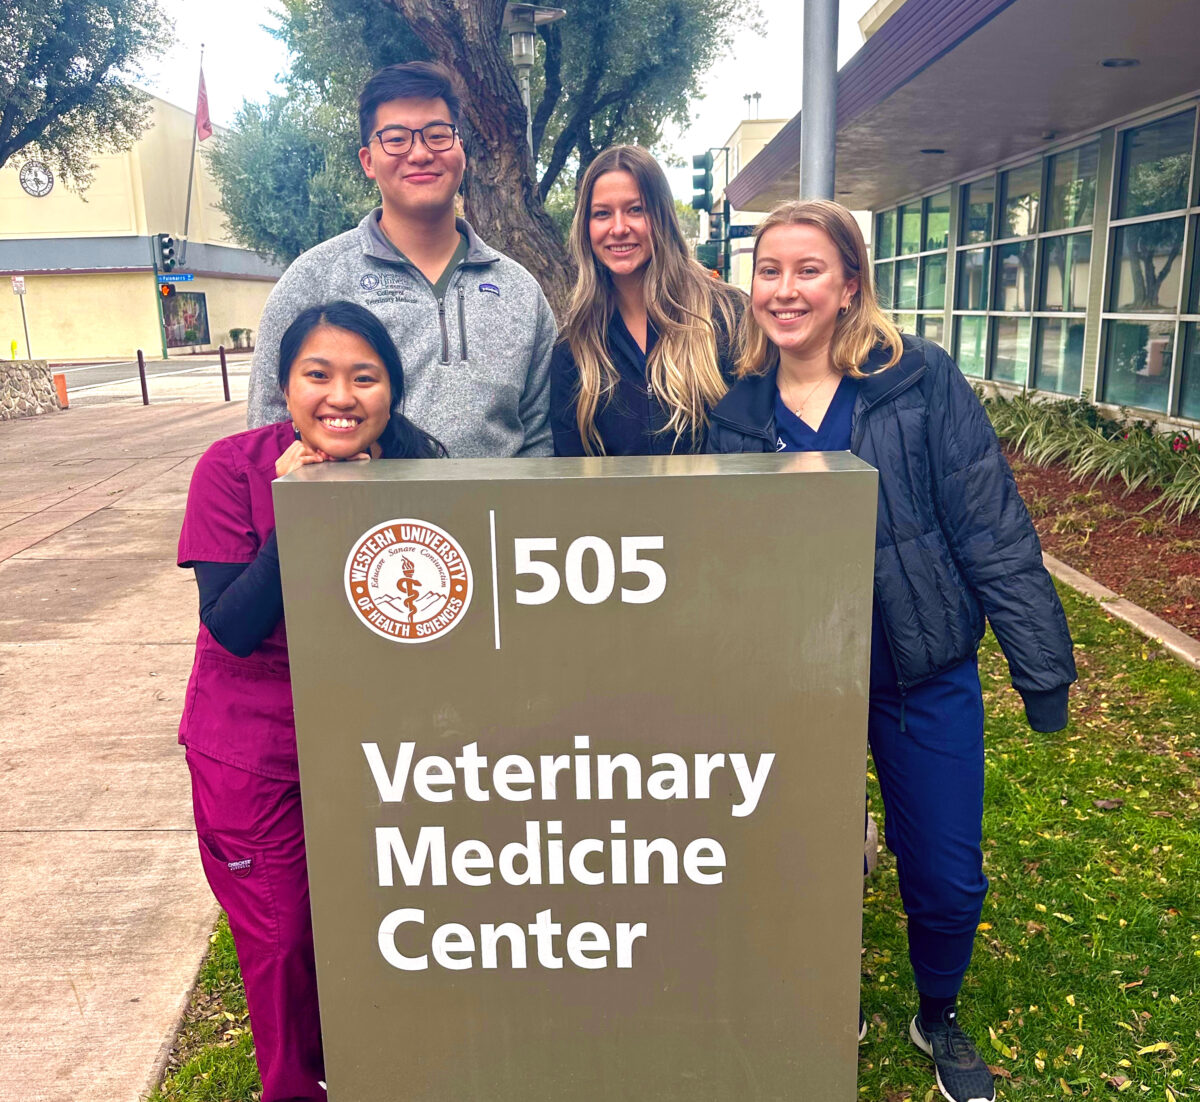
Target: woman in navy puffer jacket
column 822, row 369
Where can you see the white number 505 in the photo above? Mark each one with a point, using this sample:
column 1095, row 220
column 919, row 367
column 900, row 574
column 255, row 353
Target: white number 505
column 524, row 550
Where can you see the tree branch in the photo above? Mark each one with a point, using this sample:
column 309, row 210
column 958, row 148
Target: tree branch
column 552, row 36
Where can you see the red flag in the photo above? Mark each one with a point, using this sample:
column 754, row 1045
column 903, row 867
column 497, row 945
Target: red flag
column 204, row 127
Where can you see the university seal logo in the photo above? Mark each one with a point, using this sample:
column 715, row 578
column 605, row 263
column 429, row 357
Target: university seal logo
column 408, row 580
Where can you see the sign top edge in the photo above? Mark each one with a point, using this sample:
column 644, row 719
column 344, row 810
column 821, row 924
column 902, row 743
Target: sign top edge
column 623, row 466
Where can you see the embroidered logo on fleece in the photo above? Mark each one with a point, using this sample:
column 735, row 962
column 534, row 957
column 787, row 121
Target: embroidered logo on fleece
column 490, row 288
column 779, row 444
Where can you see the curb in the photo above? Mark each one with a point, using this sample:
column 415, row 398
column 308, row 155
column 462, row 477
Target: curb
column 159, row 1070
column 1182, row 646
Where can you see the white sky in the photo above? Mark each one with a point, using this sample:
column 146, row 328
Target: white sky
column 242, row 61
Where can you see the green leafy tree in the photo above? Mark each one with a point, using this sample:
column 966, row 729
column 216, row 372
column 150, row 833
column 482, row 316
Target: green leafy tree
column 66, row 68
column 286, row 176
column 612, row 71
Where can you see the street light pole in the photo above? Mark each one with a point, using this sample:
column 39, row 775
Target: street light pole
column 521, row 21
column 818, row 120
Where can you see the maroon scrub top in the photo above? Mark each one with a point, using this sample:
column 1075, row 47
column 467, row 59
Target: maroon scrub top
column 238, row 710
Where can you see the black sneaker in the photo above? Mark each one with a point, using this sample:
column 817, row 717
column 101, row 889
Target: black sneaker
column 962, row 1076
column 862, row 1026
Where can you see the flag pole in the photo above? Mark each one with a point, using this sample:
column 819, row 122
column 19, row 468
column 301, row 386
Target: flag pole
column 187, row 210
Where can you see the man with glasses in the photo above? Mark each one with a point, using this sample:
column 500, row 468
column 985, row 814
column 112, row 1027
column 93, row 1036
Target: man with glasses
column 473, row 328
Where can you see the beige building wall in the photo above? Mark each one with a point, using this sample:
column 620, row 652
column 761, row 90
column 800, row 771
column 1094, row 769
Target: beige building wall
column 746, row 142
column 139, row 192
column 90, row 294
column 66, row 312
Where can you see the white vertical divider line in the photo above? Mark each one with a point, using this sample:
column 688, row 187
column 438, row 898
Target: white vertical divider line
column 495, row 582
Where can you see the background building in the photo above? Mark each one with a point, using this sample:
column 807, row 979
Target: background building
column 746, row 142
column 89, row 261
column 1032, row 169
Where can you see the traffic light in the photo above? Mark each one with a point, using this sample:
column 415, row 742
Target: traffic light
column 166, row 289
column 716, row 225
column 702, row 181
column 166, row 252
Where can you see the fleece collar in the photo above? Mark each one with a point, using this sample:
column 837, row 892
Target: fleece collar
column 377, row 246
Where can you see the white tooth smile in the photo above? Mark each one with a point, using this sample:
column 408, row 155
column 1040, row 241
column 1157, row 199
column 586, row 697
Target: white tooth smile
column 339, row 422
column 788, row 315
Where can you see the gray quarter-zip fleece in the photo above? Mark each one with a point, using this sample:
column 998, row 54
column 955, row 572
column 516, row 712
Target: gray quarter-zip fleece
column 476, row 362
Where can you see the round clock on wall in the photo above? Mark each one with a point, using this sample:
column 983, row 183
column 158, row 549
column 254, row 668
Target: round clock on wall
column 36, row 178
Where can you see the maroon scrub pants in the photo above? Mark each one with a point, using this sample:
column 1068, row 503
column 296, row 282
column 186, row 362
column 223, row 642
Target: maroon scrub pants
column 252, row 848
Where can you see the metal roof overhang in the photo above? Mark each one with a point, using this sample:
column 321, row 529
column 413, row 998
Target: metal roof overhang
column 985, row 80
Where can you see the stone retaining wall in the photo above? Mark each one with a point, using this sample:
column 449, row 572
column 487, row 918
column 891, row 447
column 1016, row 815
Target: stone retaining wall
column 26, row 389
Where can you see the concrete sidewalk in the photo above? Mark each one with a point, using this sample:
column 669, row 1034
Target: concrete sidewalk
column 104, row 911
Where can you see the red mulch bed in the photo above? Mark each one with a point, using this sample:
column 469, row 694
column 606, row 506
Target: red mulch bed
column 1146, row 557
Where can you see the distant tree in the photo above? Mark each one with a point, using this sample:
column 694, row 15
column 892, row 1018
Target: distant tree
column 66, row 68
column 689, row 220
column 285, row 176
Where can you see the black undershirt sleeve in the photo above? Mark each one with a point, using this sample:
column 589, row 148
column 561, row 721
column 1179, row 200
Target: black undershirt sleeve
column 240, row 603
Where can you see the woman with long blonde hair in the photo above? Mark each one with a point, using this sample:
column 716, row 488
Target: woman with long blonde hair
column 646, row 351
column 822, row 369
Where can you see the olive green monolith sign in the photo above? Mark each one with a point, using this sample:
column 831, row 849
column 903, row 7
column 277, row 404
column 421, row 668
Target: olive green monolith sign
column 582, row 747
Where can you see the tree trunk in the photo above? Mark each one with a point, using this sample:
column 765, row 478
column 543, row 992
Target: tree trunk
column 500, row 191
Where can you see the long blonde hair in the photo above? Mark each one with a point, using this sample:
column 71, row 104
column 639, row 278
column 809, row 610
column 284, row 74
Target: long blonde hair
column 861, row 329
column 681, row 301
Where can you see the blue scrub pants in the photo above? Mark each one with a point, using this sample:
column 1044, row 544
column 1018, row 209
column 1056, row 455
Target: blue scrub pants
column 928, row 753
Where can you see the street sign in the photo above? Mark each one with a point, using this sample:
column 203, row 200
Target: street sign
column 18, row 283
column 176, row 277
column 742, row 231
column 582, row 745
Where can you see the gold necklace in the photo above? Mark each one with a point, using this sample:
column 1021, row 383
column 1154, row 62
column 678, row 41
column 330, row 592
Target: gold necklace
column 799, row 410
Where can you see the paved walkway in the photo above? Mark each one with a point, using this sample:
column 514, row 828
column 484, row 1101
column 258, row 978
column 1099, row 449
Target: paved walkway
column 104, row 911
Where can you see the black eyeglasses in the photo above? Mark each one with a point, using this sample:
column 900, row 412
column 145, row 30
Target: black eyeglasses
column 398, row 140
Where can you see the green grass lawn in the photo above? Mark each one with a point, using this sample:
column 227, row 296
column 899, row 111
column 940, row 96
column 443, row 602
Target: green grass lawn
column 1088, row 958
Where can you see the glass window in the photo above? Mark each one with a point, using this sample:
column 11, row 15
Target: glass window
column 937, row 221
column 1189, row 392
column 906, row 322
column 1194, row 297
column 1014, row 276
column 1010, row 356
column 1059, row 365
column 910, row 228
column 1022, row 193
column 1137, row 363
column 883, row 285
column 1155, row 160
column 885, row 235
column 979, row 199
column 1066, row 267
column 970, row 349
column 1148, row 270
column 933, row 282
column 973, row 279
column 906, row 285
column 1073, row 188
column 933, row 327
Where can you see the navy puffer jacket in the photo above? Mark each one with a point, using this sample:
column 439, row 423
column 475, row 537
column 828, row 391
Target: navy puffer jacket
column 954, row 542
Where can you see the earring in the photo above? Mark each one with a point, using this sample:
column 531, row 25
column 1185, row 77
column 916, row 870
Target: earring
column 842, row 311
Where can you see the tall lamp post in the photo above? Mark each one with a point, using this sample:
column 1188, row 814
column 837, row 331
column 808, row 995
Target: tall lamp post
column 521, row 21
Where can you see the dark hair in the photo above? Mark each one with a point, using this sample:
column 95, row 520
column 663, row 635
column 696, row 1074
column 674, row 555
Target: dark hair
column 412, row 80
column 401, row 439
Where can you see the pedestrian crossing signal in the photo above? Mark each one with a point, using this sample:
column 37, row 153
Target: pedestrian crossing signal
column 166, row 289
